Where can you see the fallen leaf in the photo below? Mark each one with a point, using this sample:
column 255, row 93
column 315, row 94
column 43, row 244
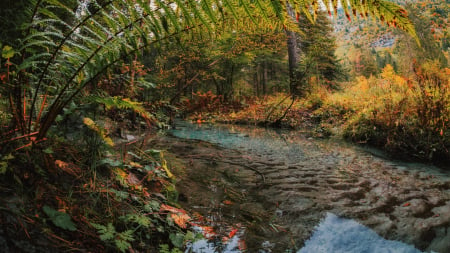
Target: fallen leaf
column 132, row 179
column 180, row 219
column 69, row 168
column 137, row 165
column 232, row 233
column 171, row 209
column 227, row 202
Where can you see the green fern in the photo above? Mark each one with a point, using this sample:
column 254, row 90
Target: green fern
column 164, row 248
column 101, row 131
column 123, row 104
column 108, row 233
column 139, row 219
column 123, row 240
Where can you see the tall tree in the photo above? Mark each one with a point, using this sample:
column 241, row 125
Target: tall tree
column 318, row 59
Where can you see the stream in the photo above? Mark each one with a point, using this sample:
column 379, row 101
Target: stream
column 265, row 190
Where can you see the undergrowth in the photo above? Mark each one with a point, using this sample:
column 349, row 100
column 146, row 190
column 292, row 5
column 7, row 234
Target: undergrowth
column 126, row 202
column 408, row 116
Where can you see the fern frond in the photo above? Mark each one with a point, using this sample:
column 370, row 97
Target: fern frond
column 102, row 132
column 33, row 61
column 387, row 12
column 207, row 8
column 44, row 44
column 124, row 104
column 106, row 232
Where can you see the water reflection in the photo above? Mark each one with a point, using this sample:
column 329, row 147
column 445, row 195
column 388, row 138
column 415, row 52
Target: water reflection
column 291, row 146
column 252, row 140
column 335, row 234
column 233, row 245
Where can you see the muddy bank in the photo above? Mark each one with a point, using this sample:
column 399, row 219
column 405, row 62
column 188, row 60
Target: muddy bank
column 279, row 201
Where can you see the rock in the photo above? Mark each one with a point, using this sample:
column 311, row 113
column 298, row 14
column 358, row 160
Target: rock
column 441, row 243
column 442, row 213
column 296, row 204
column 381, row 223
column 414, row 207
column 253, row 211
column 130, row 137
column 354, row 194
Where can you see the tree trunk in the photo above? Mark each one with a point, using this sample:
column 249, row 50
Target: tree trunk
column 293, row 59
column 230, row 84
column 264, row 88
column 292, row 53
column 255, row 81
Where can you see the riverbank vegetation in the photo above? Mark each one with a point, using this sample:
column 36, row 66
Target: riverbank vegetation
column 408, row 117
column 83, row 81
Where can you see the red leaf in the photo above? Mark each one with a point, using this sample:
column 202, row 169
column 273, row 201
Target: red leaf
column 232, row 233
column 227, row 202
column 171, row 209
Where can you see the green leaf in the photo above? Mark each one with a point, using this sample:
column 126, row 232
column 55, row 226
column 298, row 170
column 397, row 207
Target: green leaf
column 8, row 52
column 138, row 218
column 120, row 195
column 153, row 151
column 177, row 239
column 3, row 167
column 190, row 236
column 59, row 219
column 48, row 151
column 110, row 162
column 122, row 242
column 122, row 245
column 106, row 232
column 127, row 235
column 153, row 205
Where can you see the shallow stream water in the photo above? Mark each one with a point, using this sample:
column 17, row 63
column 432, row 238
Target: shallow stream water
column 300, row 194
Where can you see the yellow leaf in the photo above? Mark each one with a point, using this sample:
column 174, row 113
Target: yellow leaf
column 164, row 165
column 136, row 165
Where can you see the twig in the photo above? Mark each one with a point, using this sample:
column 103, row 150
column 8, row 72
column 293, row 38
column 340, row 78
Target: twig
column 235, row 163
column 275, row 106
column 248, row 167
column 278, row 121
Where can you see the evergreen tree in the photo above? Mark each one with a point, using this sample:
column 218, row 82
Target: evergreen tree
column 317, row 46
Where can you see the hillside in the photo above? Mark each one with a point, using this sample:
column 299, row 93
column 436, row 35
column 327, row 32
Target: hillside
column 431, row 20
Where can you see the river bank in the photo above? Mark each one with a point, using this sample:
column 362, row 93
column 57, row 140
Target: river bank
column 408, row 118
